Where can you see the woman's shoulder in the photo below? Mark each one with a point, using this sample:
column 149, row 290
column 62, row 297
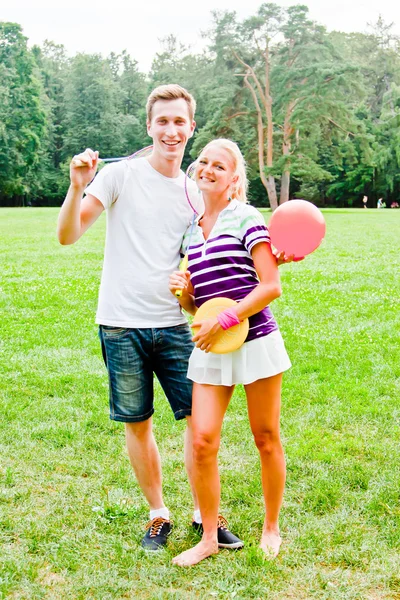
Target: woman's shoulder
column 248, row 214
column 244, row 209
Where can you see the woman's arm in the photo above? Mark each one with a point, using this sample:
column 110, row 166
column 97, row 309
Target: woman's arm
column 266, row 291
column 181, row 281
column 269, row 287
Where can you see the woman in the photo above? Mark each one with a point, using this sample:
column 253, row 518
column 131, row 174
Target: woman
column 230, row 255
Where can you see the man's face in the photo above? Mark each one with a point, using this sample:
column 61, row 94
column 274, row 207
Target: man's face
column 170, row 127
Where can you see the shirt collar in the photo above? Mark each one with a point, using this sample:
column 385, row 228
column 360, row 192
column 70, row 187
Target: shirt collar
column 231, row 206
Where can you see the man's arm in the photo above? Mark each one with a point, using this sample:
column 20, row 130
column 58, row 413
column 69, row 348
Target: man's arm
column 77, row 214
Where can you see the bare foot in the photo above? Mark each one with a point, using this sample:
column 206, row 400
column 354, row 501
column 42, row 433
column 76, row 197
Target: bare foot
column 270, row 543
column 196, row 554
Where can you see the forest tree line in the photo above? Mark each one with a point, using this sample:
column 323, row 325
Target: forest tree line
column 316, row 114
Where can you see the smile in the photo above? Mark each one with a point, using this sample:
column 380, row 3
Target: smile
column 171, row 144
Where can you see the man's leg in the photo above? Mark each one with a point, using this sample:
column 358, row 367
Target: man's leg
column 127, row 356
column 173, row 348
column 145, row 460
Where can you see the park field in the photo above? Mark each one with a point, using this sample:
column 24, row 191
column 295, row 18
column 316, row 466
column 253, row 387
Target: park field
column 71, row 515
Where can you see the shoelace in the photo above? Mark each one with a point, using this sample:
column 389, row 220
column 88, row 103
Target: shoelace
column 222, row 522
column 155, row 525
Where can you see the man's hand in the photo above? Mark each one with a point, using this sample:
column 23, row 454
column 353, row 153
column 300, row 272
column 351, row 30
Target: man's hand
column 206, row 333
column 83, row 168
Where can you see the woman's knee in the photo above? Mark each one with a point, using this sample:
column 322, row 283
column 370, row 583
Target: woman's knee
column 205, row 447
column 267, row 441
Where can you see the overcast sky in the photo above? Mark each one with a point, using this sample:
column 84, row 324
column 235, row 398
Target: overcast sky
column 113, row 25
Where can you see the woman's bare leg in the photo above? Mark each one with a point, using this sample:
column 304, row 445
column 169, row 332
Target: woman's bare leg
column 209, row 406
column 264, row 403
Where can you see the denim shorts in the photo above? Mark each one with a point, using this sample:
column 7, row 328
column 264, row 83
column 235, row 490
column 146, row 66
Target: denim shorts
column 133, row 356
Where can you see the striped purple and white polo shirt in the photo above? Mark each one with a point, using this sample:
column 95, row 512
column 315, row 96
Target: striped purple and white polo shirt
column 222, row 264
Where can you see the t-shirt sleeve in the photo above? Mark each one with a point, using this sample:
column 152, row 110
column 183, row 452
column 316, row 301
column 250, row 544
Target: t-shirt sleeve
column 107, row 185
column 253, row 229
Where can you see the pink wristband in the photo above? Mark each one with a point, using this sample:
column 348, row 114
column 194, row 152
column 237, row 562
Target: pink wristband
column 228, row 318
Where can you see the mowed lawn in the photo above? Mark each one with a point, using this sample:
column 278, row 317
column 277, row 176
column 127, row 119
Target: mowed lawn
column 71, row 515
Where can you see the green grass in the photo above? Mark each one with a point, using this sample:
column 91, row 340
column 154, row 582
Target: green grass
column 71, row 515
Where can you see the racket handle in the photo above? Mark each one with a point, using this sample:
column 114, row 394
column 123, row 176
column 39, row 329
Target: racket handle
column 182, row 267
column 78, row 163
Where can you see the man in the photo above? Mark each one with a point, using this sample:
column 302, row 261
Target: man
column 141, row 327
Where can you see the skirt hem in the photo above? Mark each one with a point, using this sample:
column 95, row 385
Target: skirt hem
column 258, row 359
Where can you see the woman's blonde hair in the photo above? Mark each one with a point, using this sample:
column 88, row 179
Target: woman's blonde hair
column 239, row 188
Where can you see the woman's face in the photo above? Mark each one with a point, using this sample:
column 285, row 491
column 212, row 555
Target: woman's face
column 215, row 171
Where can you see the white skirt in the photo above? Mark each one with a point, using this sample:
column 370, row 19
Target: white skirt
column 260, row 358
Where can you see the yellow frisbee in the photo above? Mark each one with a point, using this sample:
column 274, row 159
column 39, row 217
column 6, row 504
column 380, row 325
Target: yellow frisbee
column 229, row 340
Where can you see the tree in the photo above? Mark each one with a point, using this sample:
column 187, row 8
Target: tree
column 372, row 171
column 22, row 116
column 196, row 73
column 92, row 116
column 53, row 66
column 315, row 114
column 387, row 171
column 297, row 84
column 132, row 92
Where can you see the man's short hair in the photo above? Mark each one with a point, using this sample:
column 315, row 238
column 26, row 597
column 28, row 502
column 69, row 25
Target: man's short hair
column 172, row 91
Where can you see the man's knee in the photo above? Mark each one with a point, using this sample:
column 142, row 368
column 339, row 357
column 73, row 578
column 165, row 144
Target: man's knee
column 141, row 430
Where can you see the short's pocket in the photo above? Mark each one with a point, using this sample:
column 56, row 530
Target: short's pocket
column 110, row 331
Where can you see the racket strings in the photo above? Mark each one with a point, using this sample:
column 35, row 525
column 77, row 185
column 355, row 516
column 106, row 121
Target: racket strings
column 190, row 174
column 190, row 234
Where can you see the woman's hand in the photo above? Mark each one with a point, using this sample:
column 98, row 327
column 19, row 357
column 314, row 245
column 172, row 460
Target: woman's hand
column 206, row 333
column 282, row 259
column 180, row 281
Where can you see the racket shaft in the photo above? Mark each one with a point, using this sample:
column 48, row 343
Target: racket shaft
column 78, row 163
column 139, row 154
column 182, row 267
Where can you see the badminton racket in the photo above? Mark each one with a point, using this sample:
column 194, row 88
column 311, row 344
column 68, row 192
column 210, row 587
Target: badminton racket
column 139, row 154
column 190, row 174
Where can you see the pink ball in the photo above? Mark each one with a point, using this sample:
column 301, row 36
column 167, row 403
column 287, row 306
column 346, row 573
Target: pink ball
column 297, row 227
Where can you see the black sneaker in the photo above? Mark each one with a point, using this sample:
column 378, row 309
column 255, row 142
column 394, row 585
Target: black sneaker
column 226, row 539
column 157, row 533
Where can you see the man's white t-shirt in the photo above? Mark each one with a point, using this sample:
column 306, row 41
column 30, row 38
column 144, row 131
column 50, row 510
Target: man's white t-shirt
column 147, row 215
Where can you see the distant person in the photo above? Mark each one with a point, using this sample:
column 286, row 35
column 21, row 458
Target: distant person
column 394, row 205
column 365, row 200
column 379, row 203
column 141, row 326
